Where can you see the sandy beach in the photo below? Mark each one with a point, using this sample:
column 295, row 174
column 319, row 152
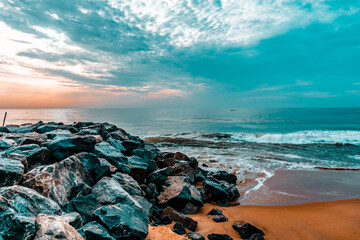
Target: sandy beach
column 316, row 220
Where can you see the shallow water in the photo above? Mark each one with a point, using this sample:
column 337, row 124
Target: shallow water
column 253, row 143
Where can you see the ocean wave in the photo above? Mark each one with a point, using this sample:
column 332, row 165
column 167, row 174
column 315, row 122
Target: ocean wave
column 301, row 137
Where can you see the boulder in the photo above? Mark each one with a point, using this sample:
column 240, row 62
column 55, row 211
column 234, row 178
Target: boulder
column 21, row 158
column 223, row 175
column 151, row 191
column 18, row 208
column 51, row 126
column 220, row 191
column 246, row 230
column 220, row 218
column 194, row 236
column 215, row 211
column 66, row 146
column 84, row 205
column 179, row 229
column 176, row 216
column 256, row 236
column 73, row 218
column 123, row 221
column 128, row 184
column 23, row 128
column 117, row 144
column 31, row 138
column 6, row 143
column 4, row 130
column 215, row 236
column 109, row 191
column 138, row 168
column 131, row 145
column 120, row 135
column 94, row 231
column 158, row 176
column 11, row 172
column 98, row 167
column 53, row 228
column 116, row 158
column 59, row 180
column 33, row 153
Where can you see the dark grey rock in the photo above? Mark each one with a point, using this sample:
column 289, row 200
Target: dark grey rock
column 18, row 208
column 176, row 216
column 223, row 175
column 116, row 158
column 84, row 205
column 194, row 236
column 123, row 221
column 94, row 231
column 221, row 191
column 220, row 218
column 128, row 184
column 179, row 229
column 246, row 230
column 215, row 236
column 11, row 172
column 215, row 211
column 256, row 236
column 33, row 153
column 73, row 218
column 138, row 168
column 158, row 176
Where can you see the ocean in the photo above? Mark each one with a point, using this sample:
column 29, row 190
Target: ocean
column 252, row 143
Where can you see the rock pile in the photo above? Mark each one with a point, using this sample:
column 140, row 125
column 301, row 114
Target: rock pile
column 95, row 181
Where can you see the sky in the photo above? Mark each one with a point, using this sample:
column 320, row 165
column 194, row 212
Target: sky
column 179, row 53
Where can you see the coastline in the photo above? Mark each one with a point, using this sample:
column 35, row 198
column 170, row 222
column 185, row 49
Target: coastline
column 315, row 220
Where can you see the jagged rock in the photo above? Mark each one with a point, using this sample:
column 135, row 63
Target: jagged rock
column 215, row 236
column 181, row 156
column 53, row 228
column 131, row 145
column 84, row 205
column 256, row 236
column 109, row 191
column 33, row 153
column 23, row 128
column 73, row 218
column 51, row 126
column 246, row 230
column 167, row 162
column 174, row 215
column 80, row 125
column 117, row 144
column 21, row 158
column 116, row 158
column 179, row 229
column 120, row 135
column 215, row 211
column 138, row 168
column 183, row 169
column 18, row 208
column 194, row 236
column 11, row 171
column 66, row 146
column 4, row 130
column 94, row 231
column 58, row 133
column 31, row 138
column 56, row 181
column 178, row 195
column 151, row 191
column 158, row 176
column 98, row 167
column 223, row 175
column 220, row 218
column 6, row 143
column 220, row 191
column 109, row 127
column 128, row 184
column 123, row 221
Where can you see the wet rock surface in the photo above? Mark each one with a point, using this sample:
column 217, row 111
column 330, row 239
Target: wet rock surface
column 96, row 181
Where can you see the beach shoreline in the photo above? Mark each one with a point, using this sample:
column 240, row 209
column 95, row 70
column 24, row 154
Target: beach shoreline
column 315, row 220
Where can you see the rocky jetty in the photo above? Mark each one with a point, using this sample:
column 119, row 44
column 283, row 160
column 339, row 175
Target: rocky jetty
column 96, row 181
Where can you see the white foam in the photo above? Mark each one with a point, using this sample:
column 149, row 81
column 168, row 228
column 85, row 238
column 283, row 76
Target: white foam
column 301, row 137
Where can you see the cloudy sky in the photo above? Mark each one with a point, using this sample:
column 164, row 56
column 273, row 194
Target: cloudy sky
column 179, row 53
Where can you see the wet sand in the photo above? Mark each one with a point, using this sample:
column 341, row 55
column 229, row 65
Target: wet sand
column 293, row 204
column 318, row 220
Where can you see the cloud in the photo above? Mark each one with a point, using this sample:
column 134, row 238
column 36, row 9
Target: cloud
column 183, row 49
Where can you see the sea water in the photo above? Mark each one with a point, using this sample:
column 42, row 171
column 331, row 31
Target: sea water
column 252, row 143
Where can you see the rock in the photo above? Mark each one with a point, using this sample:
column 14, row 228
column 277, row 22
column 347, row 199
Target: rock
column 123, row 221
column 52, row 228
column 179, row 229
column 51, row 126
column 158, row 176
column 116, row 144
column 66, row 146
column 256, row 236
column 73, row 218
column 130, row 145
column 128, row 184
column 120, row 135
column 215, row 236
column 138, row 168
column 4, row 130
column 31, row 138
column 215, row 211
column 21, row 158
column 246, row 230
column 59, row 180
column 109, row 191
column 6, row 143
column 181, row 156
column 178, row 195
column 98, row 167
column 195, row 236
column 220, row 191
column 18, row 208
column 33, row 153
column 172, row 214
column 105, row 150
column 11, row 172
column 94, row 231
column 84, row 205
column 151, row 191
column 220, row 218
column 58, row 133
column 23, row 128
column 223, row 175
